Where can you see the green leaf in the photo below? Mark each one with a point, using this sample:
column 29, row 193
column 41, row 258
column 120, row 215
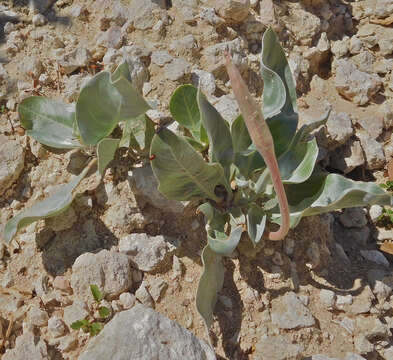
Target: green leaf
column 103, row 103
column 279, row 92
column 217, row 129
column 256, row 222
column 297, row 163
column 95, row 328
column 184, row 109
column 324, row 192
column 49, row 122
column 210, row 284
column 222, row 244
column 76, row 325
column 181, row 172
column 103, row 311
column 97, row 294
column 49, row 207
column 98, row 109
column 121, row 71
column 213, row 217
column 106, row 150
column 132, row 103
column 240, row 137
column 138, row 133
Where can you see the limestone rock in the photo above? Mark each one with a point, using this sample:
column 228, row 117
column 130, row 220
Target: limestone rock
column 12, row 159
column 110, row 271
column 233, row 10
column 290, row 313
column 354, row 84
column 28, row 346
column 176, row 69
column 141, row 333
column 146, row 252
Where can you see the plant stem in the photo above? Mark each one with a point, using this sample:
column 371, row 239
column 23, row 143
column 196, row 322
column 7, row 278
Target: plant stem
column 263, row 140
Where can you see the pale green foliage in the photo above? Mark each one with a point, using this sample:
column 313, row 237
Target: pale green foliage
column 105, row 101
column 250, row 202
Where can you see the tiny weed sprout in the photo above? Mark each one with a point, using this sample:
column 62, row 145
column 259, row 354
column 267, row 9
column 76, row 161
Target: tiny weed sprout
column 105, row 101
column 258, row 172
column 93, row 326
column 388, row 185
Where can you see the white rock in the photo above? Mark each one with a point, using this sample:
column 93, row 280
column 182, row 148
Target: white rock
column 110, row 271
column 140, row 334
column 160, row 58
column 328, row 298
column 77, row 311
column 37, row 317
column 375, row 212
column 355, row 85
column 176, row 69
column 157, row 288
column 39, row 20
column 292, row 313
column 343, row 300
column 205, row 80
column 146, row 252
column 56, row 327
column 12, row 159
column 144, row 296
column 127, row 300
column 27, row 346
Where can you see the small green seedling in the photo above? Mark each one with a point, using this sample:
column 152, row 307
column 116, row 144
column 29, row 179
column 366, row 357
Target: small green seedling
column 104, row 101
column 386, row 218
column 388, row 185
column 93, row 326
column 252, row 174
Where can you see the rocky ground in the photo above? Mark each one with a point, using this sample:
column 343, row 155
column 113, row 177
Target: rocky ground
column 325, row 290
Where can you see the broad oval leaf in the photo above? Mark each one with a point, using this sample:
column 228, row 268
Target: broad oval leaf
column 210, row 284
column 98, row 109
column 222, row 244
column 324, row 192
column 138, row 133
column 213, row 217
column 132, row 103
column 240, row 137
column 49, row 122
column 181, row 172
column 121, row 71
column 297, row 164
column 279, row 92
column 51, row 206
column 106, row 150
column 220, row 139
column 256, row 222
column 184, row 109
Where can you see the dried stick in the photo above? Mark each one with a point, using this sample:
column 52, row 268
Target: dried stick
column 263, row 140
